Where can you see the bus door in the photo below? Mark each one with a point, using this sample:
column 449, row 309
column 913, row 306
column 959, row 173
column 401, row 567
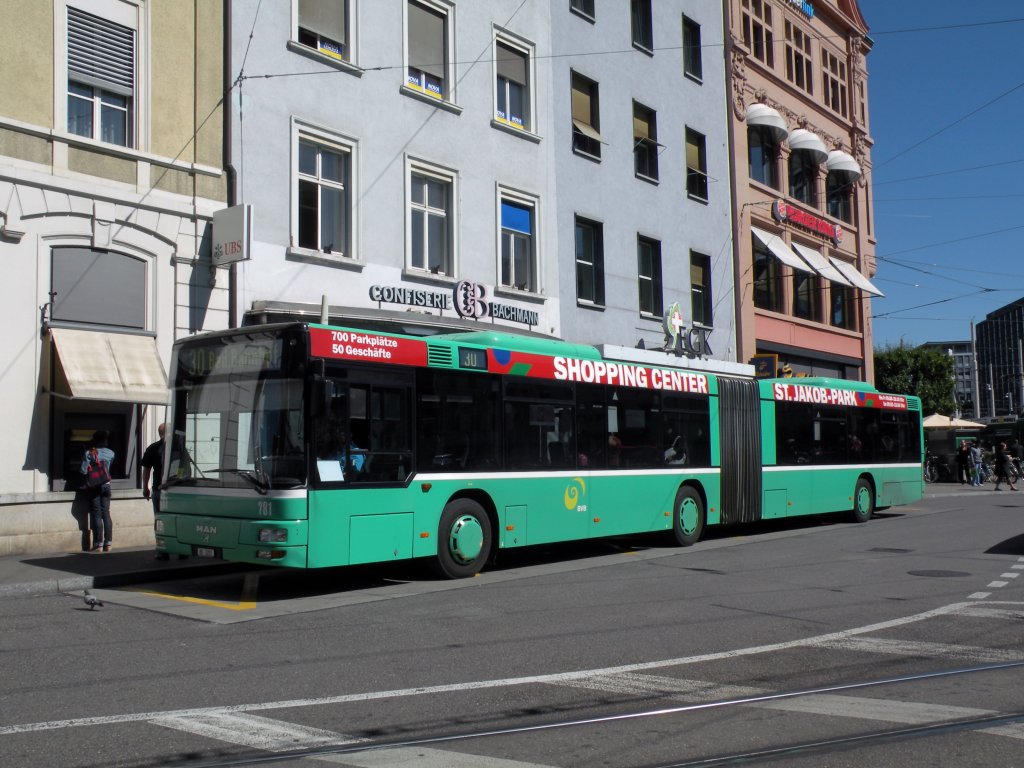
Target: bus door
column 362, row 447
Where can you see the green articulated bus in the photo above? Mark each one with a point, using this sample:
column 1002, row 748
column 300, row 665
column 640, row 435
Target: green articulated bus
column 309, row 446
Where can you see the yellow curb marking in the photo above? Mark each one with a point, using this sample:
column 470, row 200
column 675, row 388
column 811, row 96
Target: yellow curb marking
column 246, row 603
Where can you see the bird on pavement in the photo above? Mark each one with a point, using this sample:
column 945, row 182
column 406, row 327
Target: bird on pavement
column 92, row 601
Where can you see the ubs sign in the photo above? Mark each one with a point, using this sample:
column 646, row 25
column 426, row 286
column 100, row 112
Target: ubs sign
column 468, row 299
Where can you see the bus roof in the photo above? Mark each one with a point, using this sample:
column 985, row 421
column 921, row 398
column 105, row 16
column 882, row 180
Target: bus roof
column 511, row 341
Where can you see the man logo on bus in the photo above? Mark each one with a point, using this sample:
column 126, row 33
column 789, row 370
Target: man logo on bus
column 470, row 301
column 573, row 491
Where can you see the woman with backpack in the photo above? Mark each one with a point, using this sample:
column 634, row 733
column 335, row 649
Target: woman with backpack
column 96, row 468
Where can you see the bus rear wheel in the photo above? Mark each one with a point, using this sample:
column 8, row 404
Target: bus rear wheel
column 687, row 517
column 863, row 501
column 463, row 539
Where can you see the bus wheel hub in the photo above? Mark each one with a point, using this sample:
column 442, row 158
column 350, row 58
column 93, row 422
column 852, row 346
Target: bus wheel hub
column 466, row 540
column 689, row 516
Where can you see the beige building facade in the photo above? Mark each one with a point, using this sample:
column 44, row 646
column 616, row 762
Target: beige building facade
column 111, row 167
column 804, row 235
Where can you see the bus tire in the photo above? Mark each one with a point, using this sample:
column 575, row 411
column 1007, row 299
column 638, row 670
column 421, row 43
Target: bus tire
column 463, row 539
column 863, row 501
column 687, row 517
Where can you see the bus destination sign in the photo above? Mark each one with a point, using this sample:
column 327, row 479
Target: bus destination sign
column 805, row 393
column 368, row 347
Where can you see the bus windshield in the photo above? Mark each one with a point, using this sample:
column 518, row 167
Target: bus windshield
column 240, row 429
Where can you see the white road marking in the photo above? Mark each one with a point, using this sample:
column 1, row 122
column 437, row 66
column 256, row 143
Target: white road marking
column 1008, row 575
column 422, row 757
column 1019, row 567
column 983, row 611
column 916, row 648
column 997, row 584
column 826, row 704
column 862, row 708
column 557, row 678
column 978, row 596
column 676, row 688
column 254, row 731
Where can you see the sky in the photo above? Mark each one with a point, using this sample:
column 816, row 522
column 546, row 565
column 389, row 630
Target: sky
column 946, row 110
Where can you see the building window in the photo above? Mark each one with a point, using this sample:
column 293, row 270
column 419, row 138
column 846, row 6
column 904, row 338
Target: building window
column 799, row 70
column 806, row 295
column 324, row 198
column 583, row 7
column 101, row 78
column 839, row 190
column 833, row 80
column 645, row 142
column 512, row 85
column 428, row 47
column 803, row 177
column 648, row 256
column 589, row 262
column 586, row 125
column 696, row 165
column 767, row 278
column 83, row 280
column 518, row 245
column 763, row 156
column 842, row 315
column 640, row 18
column 701, row 309
column 693, row 65
column 323, row 26
column 757, row 31
column 430, row 222
column 862, row 104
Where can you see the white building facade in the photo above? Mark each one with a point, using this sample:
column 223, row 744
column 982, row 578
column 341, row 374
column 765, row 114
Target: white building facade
column 559, row 168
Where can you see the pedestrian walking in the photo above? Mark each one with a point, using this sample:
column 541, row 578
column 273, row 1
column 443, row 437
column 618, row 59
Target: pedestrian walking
column 1003, row 468
column 96, row 467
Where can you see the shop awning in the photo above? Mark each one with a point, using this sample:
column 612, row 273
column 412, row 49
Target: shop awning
column 763, row 116
column 120, row 367
column 802, row 140
column 843, row 162
column 782, row 252
column 821, row 265
column 854, row 276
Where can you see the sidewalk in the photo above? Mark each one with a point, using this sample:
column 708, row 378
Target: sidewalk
column 40, row 574
column 74, row 571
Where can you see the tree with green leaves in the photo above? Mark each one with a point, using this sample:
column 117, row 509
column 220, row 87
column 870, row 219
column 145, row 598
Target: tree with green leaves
column 924, row 372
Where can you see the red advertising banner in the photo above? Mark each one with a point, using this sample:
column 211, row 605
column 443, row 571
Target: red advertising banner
column 805, row 393
column 368, row 347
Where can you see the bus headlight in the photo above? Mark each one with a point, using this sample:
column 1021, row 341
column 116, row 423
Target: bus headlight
column 158, row 526
column 273, row 535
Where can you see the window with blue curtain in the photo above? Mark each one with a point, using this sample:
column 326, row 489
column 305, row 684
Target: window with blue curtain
column 517, row 268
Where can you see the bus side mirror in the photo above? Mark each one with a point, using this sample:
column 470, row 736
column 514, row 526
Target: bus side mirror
column 323, row 394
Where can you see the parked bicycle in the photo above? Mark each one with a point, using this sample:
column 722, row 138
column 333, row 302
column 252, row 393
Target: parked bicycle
column 936, row 468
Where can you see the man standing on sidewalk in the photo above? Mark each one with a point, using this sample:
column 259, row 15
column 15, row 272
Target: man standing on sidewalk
column 976, row 459
column 153, row 467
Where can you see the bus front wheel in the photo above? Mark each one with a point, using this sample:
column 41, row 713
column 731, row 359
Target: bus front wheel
column 464, row 539
column 863, row 501
column 688, row 517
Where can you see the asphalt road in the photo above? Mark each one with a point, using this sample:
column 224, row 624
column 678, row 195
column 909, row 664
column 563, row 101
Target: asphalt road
column 896, row 643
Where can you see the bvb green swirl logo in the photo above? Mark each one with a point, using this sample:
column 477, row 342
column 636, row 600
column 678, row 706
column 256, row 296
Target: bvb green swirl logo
column 573, row 491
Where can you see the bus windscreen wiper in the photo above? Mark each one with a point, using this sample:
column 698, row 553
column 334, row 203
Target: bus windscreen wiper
column 258, row 478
